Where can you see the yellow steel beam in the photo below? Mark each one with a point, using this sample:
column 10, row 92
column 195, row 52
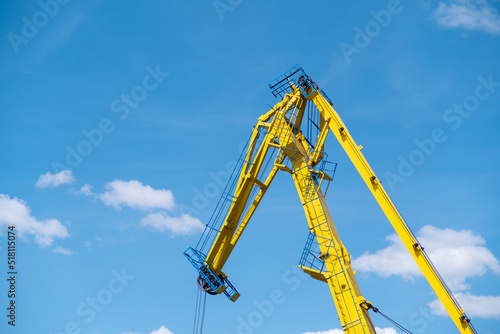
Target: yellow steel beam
column 340, row 277
column 411, row 243
column 225, row 240
column 283, row 133
column 318, row 153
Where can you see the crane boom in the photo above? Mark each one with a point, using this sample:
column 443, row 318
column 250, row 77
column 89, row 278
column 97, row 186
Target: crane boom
column 411, row 243
column 277, row 137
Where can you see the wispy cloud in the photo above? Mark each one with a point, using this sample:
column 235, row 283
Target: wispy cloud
column 63, row 251
column 476, row 306
column 136, row 195
column 182, row 225
column 86, row 190
column 468, row 14
column 49, row 180
column 99, row 241
column 15, row 212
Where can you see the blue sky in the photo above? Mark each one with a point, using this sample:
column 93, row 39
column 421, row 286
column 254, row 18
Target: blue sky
column 119, row 121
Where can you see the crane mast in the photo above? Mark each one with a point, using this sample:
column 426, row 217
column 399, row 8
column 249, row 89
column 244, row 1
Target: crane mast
column 277, row 144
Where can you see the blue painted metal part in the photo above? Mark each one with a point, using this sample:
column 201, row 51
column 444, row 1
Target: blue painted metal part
column 296, row 75
column 216, row 282
column 311, row 255
column 281, row 85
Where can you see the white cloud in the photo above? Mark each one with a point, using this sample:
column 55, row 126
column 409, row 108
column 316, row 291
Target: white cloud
column 14, row 211
column 63, row 251
column 86, row 189
column 457, row 255
column 183, row 225
column 475, row 306
column 161, row 330
column 388, row 330
column 468, row 14
column 54, row 180
column 136, row 195
column 392, row 260
column 99, row 241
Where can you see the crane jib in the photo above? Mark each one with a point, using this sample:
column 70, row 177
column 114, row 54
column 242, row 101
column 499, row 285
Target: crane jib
column 278, row 143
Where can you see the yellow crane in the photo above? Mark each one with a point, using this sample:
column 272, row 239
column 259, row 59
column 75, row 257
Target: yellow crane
column 282, row 140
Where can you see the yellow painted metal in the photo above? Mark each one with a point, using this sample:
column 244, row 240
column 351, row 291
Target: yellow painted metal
column 234, row 223
column 318, row 152
column 340, row 278
column 316, row 274
column 343, row 136
column 284, row 135
column 282, row 125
